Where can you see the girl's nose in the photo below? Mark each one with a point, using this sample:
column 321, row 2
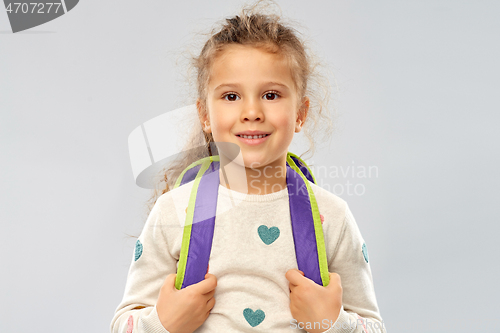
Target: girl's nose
column 251, row 111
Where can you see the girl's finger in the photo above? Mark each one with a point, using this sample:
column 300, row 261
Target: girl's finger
column 209, row 294
column 293, row 276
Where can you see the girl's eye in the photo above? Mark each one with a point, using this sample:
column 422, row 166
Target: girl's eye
column 271, row 96
column 231, row 97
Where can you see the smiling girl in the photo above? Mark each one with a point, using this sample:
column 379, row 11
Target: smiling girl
column 253, row 94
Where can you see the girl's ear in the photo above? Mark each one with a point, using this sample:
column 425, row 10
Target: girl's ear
column 203, row 116
column 302, row 114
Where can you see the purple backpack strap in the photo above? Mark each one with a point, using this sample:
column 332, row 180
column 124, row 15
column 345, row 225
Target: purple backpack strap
column 198, row 234
column 304, row 235
column 306, row 225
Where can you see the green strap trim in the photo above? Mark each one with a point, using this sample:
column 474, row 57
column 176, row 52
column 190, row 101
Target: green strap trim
column 307, row 166
column 186, row 236
column 318, row 228
column 320, row 241
column 192, row 165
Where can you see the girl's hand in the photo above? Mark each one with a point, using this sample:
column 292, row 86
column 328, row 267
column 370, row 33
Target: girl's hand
column 183, row 311
column 311, row 302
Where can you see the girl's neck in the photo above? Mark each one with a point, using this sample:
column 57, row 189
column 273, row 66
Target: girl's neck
column 263, row 180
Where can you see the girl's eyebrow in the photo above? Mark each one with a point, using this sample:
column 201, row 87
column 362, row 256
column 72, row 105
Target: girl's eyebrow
column 278, row 84
column 229, row 85
column 236, row 85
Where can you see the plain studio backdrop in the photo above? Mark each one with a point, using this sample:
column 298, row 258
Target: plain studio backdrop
column 417, row 101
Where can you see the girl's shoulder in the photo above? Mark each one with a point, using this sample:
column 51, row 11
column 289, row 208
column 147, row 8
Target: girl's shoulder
column 180, row 191
column 330, row 206
column 326, row 197
column 171, row 206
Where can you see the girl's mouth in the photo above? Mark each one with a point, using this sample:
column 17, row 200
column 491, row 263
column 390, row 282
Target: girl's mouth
column 253, row 139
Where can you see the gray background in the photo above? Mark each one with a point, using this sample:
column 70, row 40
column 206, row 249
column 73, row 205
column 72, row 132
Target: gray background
column 418, row 99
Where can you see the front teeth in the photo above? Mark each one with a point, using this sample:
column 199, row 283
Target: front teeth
column 253, row 137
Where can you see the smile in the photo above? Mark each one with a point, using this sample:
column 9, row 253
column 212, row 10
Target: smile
column 253, row 140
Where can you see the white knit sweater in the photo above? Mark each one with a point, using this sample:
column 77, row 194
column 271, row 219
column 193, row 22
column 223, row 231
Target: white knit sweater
column 250, row 274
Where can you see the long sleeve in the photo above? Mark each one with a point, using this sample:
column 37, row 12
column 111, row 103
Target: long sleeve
column 151, row 263
column 359, row 312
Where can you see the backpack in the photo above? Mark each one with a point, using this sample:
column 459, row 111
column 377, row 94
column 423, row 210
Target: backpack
column 198, row 234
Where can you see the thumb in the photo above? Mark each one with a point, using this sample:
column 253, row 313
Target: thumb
column 334, row 277
column 170, row 280
column 293, row 276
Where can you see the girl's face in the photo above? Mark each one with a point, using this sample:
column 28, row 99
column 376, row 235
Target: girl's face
column 251, row 90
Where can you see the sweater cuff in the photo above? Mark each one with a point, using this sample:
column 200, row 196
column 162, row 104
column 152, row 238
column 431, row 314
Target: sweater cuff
column 343, row 324
column 151, row 323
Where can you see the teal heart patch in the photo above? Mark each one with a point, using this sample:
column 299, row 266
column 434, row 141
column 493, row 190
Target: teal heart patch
column 365, row 252
column 268, row 235
column 138, row 250
column 254, row 318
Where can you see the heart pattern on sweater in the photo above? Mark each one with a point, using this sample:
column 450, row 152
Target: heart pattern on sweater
column 130, row 324
column 365, row 252
column 138, row 250
column 268, row 235
column 254, row 318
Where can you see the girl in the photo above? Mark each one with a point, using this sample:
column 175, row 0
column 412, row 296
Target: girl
column 254, row 93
